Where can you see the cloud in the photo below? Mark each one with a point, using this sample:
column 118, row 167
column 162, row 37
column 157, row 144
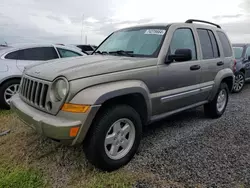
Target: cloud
column 61, row 21
column 33, row 20
column 91, row 20
column 227, row 16
column 245, row 5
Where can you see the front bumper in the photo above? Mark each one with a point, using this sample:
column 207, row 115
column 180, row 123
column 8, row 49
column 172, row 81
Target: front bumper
column 54, row 127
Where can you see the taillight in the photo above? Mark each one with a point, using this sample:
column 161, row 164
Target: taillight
column 234, row 66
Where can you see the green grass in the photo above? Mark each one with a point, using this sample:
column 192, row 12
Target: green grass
column 23, row 150
column 112, row 180
column 5, row 112
column 29, row 160
column 20, row 177
column 96, row 179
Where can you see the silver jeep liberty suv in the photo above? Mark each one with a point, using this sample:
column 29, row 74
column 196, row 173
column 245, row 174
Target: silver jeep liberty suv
column 136, row 76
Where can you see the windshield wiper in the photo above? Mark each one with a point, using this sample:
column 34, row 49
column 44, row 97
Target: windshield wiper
column 123, row 52
column 103, row 52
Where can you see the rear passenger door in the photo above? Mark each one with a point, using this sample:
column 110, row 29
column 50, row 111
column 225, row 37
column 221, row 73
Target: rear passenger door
column 34, row 55
column 211, row 59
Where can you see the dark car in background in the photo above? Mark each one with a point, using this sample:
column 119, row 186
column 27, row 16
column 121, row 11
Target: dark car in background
column 242, row 73
column 86, row 48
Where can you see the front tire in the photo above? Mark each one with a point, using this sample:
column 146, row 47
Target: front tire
column 239, row 82
column 218, row 105
column 7, row 90
column 114, row 138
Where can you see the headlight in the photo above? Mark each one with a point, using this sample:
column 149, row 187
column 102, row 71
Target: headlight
column 60, row 89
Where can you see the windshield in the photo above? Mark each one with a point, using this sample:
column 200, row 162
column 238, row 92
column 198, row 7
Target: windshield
column 238, row 52
column 141, row 42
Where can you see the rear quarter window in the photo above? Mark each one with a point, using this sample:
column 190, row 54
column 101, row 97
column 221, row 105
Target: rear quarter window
column 226, row 46
column 12, row 55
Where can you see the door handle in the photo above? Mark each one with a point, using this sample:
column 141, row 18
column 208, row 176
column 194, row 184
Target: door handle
column 220, row 63
column 195, row 67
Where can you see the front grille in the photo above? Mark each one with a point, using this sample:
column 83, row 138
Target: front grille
column 34, row 91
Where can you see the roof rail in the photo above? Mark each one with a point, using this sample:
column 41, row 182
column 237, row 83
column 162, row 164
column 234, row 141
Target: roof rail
column 202, row 21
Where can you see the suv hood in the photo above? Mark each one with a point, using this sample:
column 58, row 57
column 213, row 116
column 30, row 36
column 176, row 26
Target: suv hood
column 85, row 66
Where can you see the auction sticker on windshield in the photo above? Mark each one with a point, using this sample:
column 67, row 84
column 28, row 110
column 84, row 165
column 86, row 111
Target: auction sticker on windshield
column 155, row 32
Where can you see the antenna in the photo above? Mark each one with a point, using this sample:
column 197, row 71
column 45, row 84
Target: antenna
column 82, row 27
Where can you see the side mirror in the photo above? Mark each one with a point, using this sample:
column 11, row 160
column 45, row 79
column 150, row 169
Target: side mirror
column 180, row 55
column 248, row 58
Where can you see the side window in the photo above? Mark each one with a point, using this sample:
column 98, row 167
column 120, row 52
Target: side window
column 67, row 53
column 38, row 54
column 183, row 38
column 225, row 44
column 214, row 44
column 206, row 44
column 12, row 55
column 248, row 51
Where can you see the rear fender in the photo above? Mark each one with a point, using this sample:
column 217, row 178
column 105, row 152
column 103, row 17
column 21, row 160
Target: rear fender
column 222, row 74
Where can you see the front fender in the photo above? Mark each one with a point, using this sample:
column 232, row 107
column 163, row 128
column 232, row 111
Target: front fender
column 222, row 74
column 98, row 94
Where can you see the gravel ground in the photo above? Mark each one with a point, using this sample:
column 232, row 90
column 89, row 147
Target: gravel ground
column 196, row 151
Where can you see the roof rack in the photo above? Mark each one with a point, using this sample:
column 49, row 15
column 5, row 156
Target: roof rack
column 202, row 21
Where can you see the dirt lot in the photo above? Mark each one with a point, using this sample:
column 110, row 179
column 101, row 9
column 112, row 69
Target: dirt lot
column 187, row 150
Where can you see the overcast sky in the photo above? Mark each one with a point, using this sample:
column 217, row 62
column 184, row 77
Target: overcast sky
column 60, row 21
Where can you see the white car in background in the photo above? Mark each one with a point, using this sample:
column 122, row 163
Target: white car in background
column 14, row 58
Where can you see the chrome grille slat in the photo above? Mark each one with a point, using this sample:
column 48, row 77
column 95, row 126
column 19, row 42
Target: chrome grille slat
column 19, row 89
column 36, row 94
column 34, row 91
column 27, row 88
column 41, row 96
column 21, row 86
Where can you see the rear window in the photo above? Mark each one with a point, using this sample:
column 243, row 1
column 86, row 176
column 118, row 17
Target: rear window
column 209, row 44
column 214, row 44
column 206, row 45
column 225, row 44
column 67, row 53
column 38, row 54
column 238, row 52
column 12, row 55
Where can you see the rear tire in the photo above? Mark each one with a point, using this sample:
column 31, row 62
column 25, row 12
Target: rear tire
column 114, row 138
column 239, row 82
column 218, row 105
column 7, row 90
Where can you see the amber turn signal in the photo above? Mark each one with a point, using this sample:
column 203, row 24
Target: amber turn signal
column 76, row 108
column 73, row 131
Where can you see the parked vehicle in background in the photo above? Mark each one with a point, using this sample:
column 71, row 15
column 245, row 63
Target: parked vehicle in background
column 75, row 47
column 242, row 72
column 14, row 58
column 138, row 75
column 86, row 48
